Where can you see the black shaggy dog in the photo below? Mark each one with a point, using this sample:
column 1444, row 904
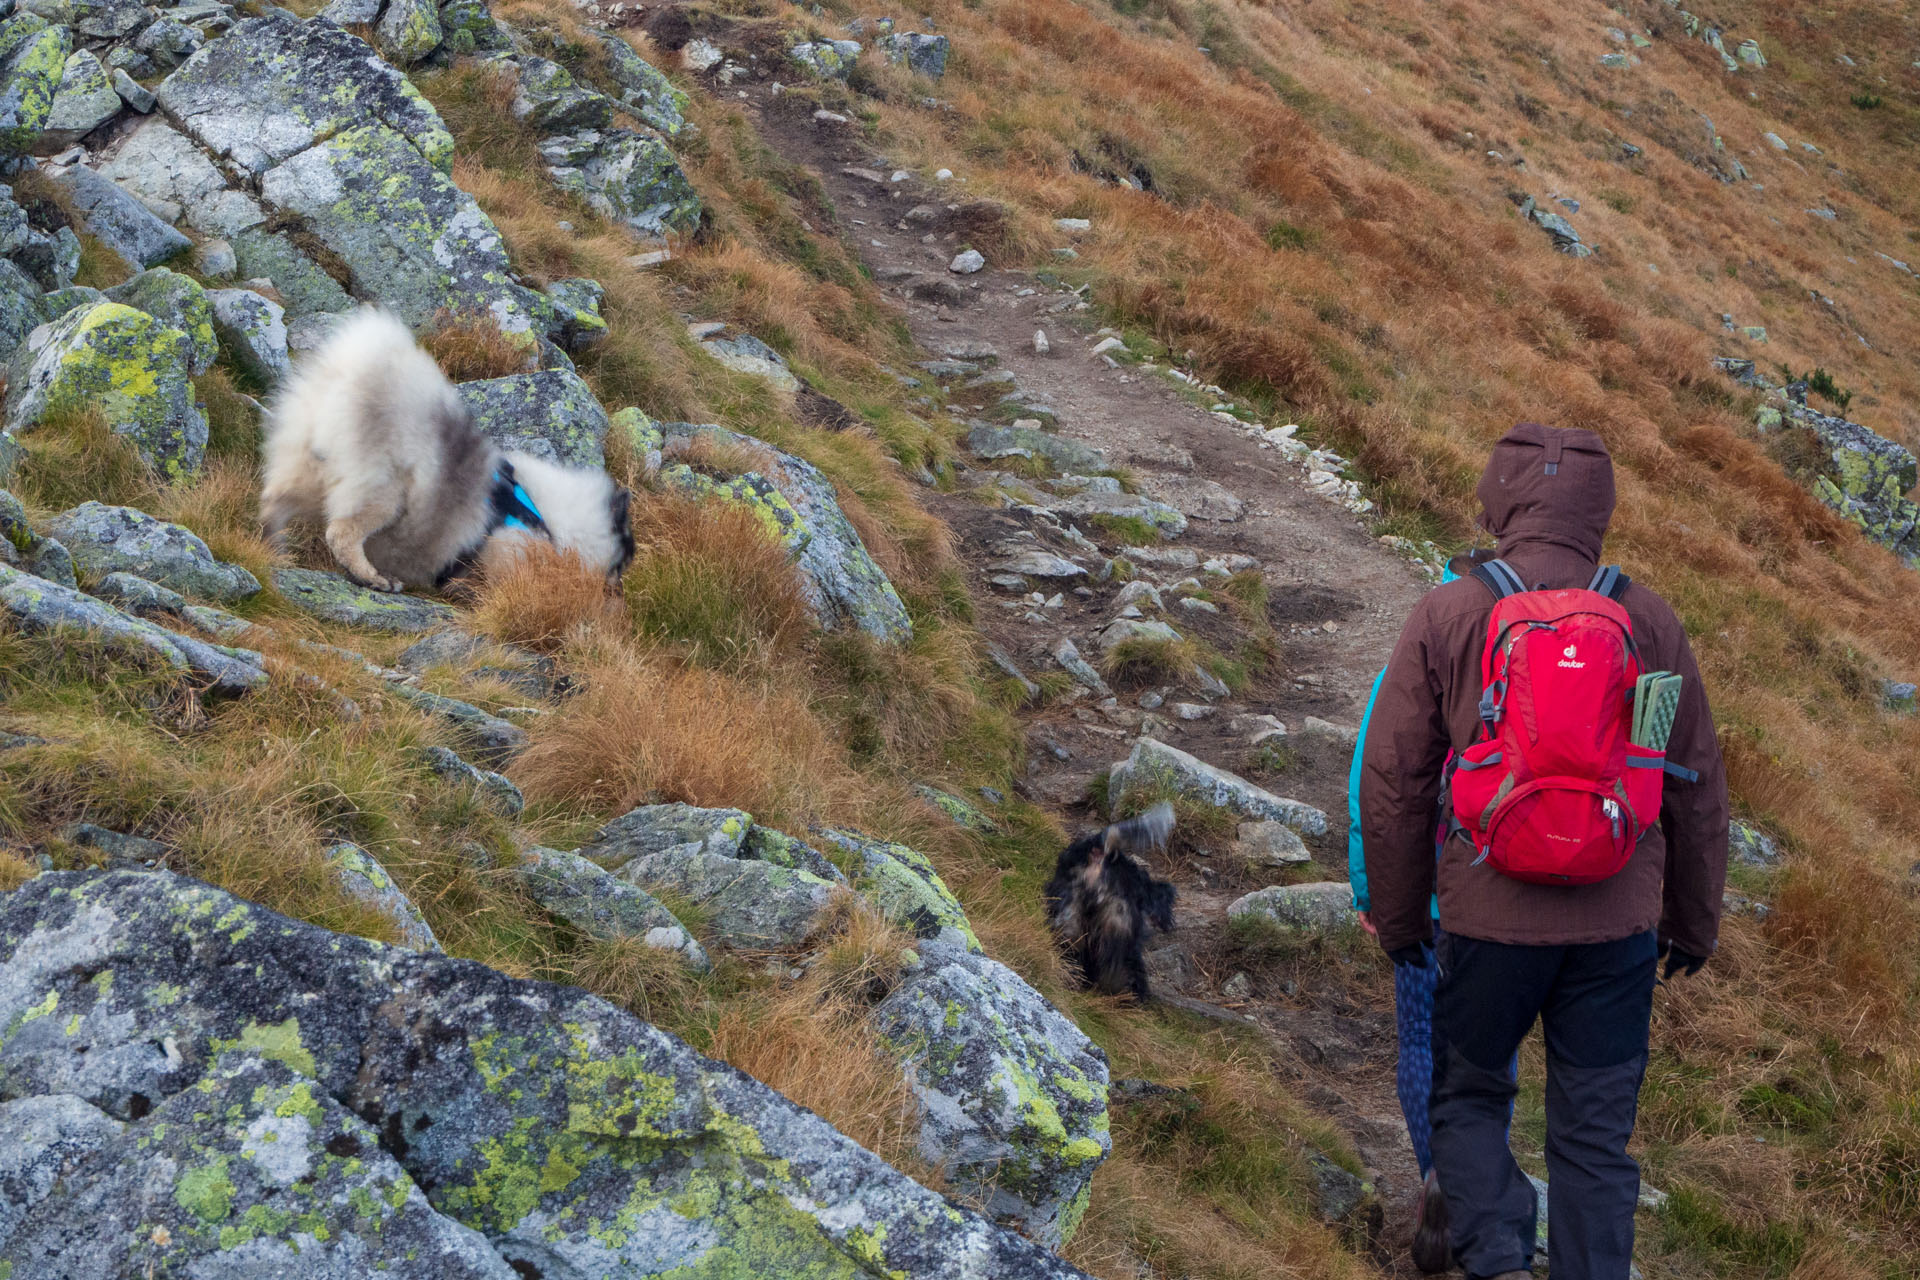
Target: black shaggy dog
column 1101, row 902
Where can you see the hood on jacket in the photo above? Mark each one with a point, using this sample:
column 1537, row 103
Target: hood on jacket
column 1548, row 484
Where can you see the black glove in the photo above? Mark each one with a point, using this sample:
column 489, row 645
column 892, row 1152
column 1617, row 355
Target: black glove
column 1413, row 955
column 1678, row 961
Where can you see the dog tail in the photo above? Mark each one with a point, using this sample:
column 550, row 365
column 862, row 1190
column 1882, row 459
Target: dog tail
column 1148, row 831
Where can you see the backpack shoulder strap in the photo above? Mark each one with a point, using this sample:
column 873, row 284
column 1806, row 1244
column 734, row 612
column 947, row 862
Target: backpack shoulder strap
column 1610, row 582
column 1498, row 577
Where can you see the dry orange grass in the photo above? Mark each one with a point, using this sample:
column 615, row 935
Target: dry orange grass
column 535, row 594
column 471, row 348
column 812, row 1040
column 647, row 732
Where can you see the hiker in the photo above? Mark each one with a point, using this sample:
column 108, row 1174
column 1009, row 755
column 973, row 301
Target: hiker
column 1582, row 848
column 1412, row 1006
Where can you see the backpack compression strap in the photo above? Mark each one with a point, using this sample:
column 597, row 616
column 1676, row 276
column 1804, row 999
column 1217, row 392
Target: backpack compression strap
column 1499, row 577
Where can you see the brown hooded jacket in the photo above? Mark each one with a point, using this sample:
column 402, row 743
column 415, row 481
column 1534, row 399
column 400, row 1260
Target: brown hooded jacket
column 1547, row 497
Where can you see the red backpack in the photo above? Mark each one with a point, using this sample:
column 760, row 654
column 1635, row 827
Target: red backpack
column 1554, row 793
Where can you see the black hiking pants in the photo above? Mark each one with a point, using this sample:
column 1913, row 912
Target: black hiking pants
column 1594, row 1002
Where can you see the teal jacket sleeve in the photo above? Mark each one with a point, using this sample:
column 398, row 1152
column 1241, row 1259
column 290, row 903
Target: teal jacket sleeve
column 1356, row 859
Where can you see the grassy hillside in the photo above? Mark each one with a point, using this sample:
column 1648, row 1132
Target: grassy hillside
column 1323, row 232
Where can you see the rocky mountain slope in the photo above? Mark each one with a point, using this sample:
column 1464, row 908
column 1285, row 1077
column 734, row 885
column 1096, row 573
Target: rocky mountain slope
column 1037, row 410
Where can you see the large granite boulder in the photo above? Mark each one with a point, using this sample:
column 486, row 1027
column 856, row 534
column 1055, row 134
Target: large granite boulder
column 1155, row 771
column 36, row 605
column 467, row 27
column 493, row 1126
column 640, row 86
column 104, row 539
column 33, row 57
column 156, row 162
column 628, row 177
column 925, row 54
column 1325, row 904
column 679, row 829
column 24, row 548
column 119, row 221
column 409, row 238
column 82, row 102
column 253, row 331
column 22, row 308
column 1867, row 480
column 179, row 301
column 131, row 367
column 550, row 414
column 749, row 904
column 1013, row 1095
column 603, row 906
column 904, row 886
column 275, row 86
column 549, row 99
column 330, row 597
column 800, row 508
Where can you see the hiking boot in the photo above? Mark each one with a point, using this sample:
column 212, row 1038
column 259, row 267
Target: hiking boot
column 1432, row 1240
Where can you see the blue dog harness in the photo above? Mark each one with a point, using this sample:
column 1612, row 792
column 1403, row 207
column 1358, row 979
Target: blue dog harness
column 508, row 507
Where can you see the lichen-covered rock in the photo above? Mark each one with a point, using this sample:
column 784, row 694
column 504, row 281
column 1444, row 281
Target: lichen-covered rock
column 1752, row 847
column 490, row 739
column 1326, row 904
column 410, row 239
column 826, row 59
column 103, row 539
column 549, row 99
column 336, row 599
column 37, row 605
column 33, row 57
column 60, row 301
column 531, row 674
column 43, row 1140
column 177, row 300
column 578, row 323
column 668, row 828
column 603, row 906
column 408, row 31
column 1155, row 771
column 550, row 414
column 576, row 1139
column 1014, row 1097
column 253, row 330
column 304, row 286
column 131, row 367
column 468, row 27
column 960, row 812
column 925, row 54
column 275, row 86
column 903, row 885
column 642, row 435
column 50, row 259
column 799, row 507
column 1167, row 520
column 360, row 874
column 22, row 308
column 764, row 844
column 744, row 353
column 749, row 904
column 23, row 548
column 83, row 101
column 109, row 19
column 131, row 91
column 253, row 1172
column 642, row 87
column 168, row 42
column 497, row 790
column 138, row 596
column 1867, row 481
column 985, row 440
column 628, row 177
column 119, row 221
column 159, row 163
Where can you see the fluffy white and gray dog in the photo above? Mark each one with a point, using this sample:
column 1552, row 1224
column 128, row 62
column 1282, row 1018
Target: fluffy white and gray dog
column 369, row 439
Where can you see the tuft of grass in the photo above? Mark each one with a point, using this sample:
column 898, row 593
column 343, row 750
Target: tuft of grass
column 233, row 417
column 1130, row 531
column 469, row 348
column 73, row 455
column 536, row 595
column 708, row 578
column 1142, row 662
